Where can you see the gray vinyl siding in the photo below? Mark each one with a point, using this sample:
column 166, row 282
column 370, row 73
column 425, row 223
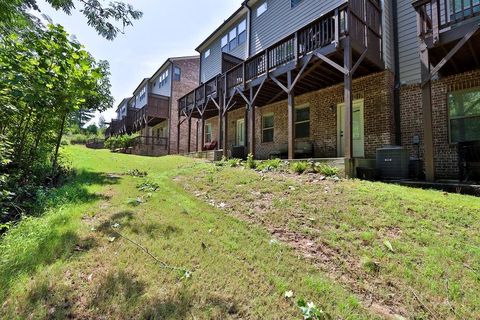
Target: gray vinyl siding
column 140, row 102
column 409, row 56
column 166, row 89
column 387, row 28
column 212, row 65
column 280, row 20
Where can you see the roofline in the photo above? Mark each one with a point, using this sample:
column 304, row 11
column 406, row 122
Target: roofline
column 121, row 102
column 229, row 19
column 141, row 83
column 169, row 60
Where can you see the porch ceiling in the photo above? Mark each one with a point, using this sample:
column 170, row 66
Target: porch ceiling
column 467, row 58
column 316, row 76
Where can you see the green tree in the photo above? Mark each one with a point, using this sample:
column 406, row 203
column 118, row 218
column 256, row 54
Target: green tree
column 92, row 129
column 108, row 21
column 45, row 78
column 81, row 117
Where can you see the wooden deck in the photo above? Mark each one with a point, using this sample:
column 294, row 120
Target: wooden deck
column 154, row 112
column 449, row 43
column 336, row 47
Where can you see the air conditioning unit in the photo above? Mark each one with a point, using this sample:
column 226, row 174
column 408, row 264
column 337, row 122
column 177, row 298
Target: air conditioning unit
column 393, row 162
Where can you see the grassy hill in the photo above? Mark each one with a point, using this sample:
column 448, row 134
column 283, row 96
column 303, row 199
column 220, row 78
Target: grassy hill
column 191, row 240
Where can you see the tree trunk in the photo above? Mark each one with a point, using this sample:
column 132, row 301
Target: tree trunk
column 57, row 146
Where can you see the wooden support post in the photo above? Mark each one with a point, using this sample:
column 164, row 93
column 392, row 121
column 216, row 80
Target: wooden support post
column 291, row 118
column 189, row 132
column 348, row 134
column 251, row 125
column 196, row 138
column 225, row 134
column 202, row 133
column 220, row 125
column 178, row 135
column 246, row 118
column 427, row 112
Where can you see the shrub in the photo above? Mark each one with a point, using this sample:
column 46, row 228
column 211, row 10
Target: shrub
column 250, row 164
column 233, row 162
column 299, row 167
column 326, row 170
column 120, row 142
column 78, row 139
column 272, row 164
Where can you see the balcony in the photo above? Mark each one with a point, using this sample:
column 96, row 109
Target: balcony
column 445, row 24
column 155, row 111
column 360, row 20
column 206, row 94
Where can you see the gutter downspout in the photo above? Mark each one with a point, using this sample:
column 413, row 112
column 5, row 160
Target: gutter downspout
column 397, row 83
column 170, row 107
column 249, row 25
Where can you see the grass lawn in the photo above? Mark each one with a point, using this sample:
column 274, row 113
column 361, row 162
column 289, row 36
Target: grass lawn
column 106, row 249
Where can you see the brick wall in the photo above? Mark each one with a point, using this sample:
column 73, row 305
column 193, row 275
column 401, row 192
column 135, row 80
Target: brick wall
column 445, row 154
column 214, row 123
column 189, row 81
column 233, row 117
column 377, row 92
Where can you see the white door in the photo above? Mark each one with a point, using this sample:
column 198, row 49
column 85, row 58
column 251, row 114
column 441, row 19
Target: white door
column 241, row 132
column 358, row 130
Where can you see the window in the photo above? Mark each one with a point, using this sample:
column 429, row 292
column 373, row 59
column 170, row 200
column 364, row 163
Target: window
column 462, row 8
column 143, row 93
column 225, row 43
column 208, row 132
column 242, row 32
column 262, row 8
column 206, row 54
column 302, row 122
column 163, row 79
column 464, row 115
column 232, row 36
column 295, row 3
column 235, row 37
column 177, row 73
column 267, row 128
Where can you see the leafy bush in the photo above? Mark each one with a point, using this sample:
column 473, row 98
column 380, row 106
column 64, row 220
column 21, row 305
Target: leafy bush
column 272, row 164
column 120, row 142
column 234, row 162
column 6, row 195
column 78, row 139
column 326, row 170
column 148, row 186
column 299, row 167
column 250, row 164
column 136, row 173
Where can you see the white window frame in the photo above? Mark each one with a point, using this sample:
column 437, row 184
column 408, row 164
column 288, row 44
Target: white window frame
column 206, row 54
column 450, row 117
column 224, row 43
column 261, row 9
column 175, row 74
column 303, row 106
column 208, row 132
column 268, row 128
column 228, row 40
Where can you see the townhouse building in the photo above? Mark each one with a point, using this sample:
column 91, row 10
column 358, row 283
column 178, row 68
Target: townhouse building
column 341, row 79
column 152, row 110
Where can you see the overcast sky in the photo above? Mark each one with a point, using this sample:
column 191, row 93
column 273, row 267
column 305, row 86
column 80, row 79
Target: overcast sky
column 167, row 29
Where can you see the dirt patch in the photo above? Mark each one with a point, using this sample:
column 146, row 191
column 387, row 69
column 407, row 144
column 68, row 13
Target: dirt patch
column 376, row 294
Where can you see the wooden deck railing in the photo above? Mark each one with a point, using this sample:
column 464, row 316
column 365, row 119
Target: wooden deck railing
column 437, row 15
column 360, row 18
